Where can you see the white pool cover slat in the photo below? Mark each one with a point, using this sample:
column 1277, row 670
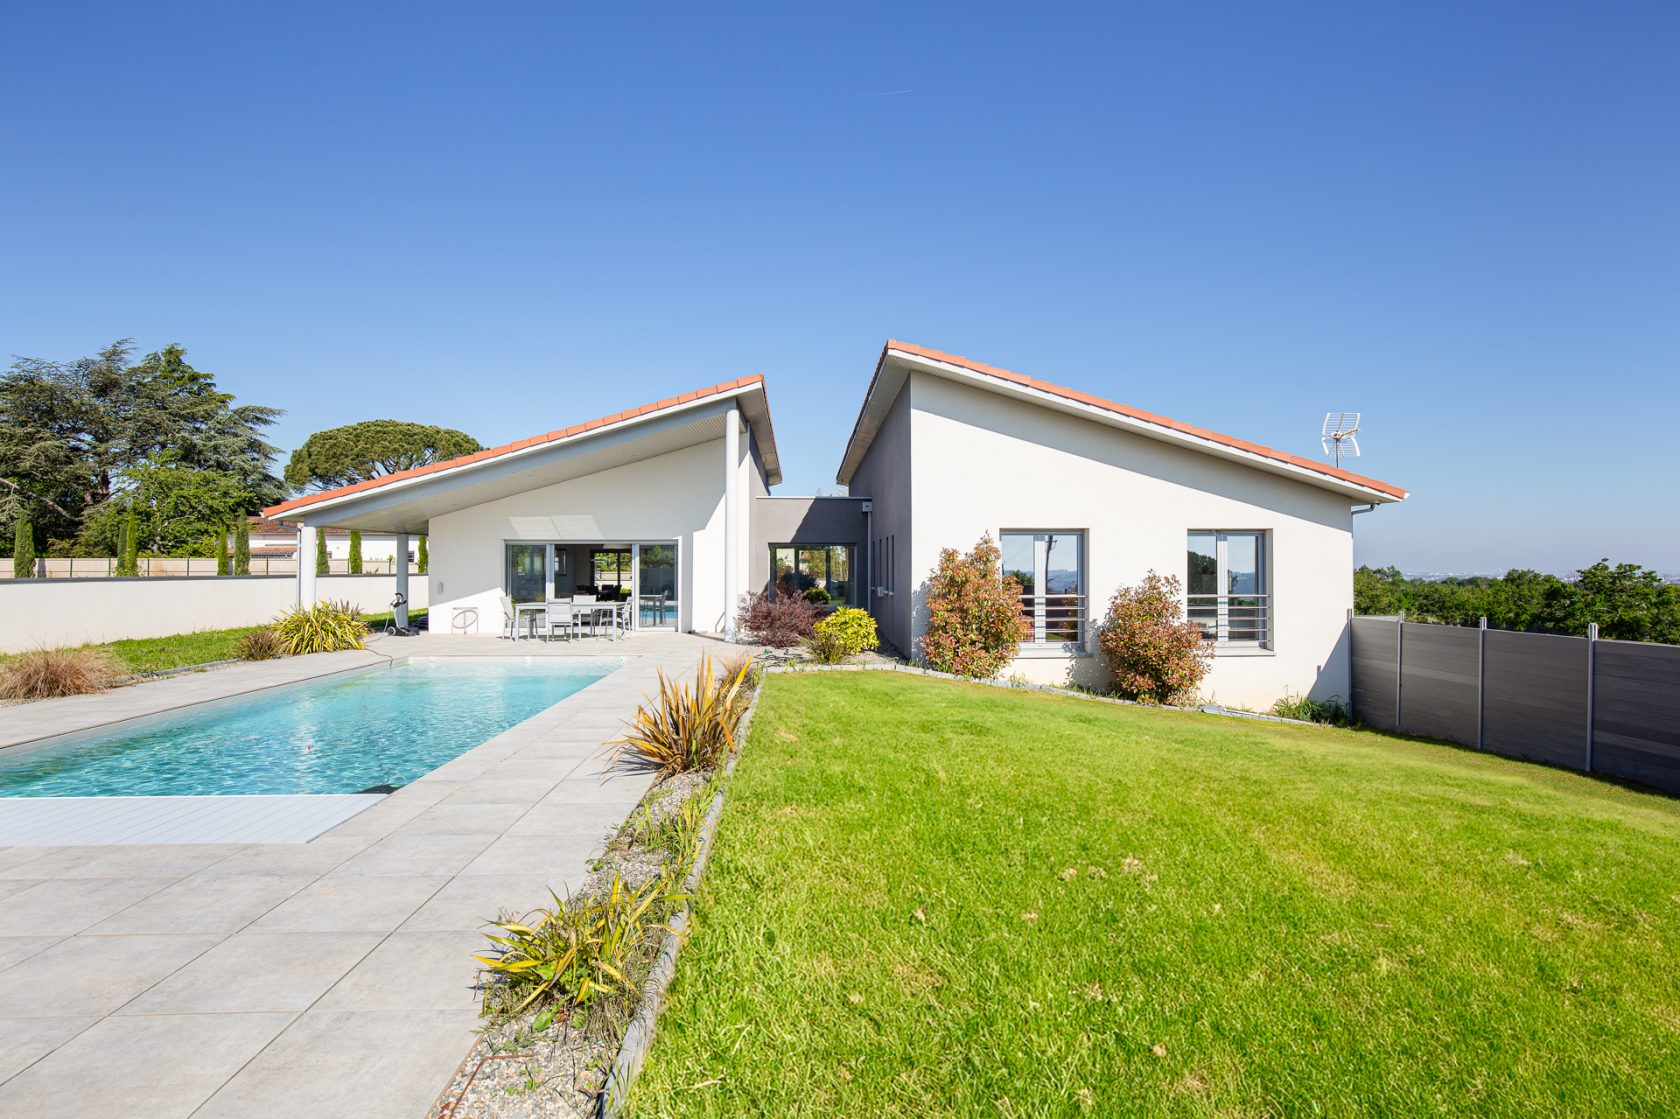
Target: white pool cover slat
column 73, row 821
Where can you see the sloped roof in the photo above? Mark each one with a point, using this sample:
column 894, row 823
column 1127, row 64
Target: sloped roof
column 876, row 403
column 758, row 418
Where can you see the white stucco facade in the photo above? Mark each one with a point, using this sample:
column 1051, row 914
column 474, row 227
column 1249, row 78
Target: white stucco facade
column 981, row 463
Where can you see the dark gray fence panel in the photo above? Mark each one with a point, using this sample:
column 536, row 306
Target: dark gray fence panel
column 1374, row 670
column 1440, row 680
column 1636, row 713
column 1536, row 700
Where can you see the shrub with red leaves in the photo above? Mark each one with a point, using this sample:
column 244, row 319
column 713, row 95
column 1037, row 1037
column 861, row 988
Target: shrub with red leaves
column 1157, row 656
column 779, row 620
column 975, row 625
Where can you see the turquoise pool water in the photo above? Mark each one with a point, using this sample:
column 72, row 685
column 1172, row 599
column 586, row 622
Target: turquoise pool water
column 385, row 726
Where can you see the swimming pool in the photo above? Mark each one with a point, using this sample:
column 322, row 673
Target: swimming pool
column 343, row 734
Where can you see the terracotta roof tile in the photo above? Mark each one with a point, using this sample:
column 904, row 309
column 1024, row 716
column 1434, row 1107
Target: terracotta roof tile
column 1132, row 413
column 309, row 499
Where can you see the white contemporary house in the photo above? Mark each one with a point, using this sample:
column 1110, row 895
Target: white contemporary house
column 668, row 507
column 1084, row 495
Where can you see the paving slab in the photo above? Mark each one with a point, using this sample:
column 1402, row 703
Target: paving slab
column 260, row 971
column 84, row 975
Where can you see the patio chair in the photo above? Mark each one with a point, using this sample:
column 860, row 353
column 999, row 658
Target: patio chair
column 508, row 616
column 581, row 597
column 561, row 616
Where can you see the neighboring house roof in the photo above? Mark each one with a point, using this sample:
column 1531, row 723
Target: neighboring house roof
column 898, row 358
column 749, row 390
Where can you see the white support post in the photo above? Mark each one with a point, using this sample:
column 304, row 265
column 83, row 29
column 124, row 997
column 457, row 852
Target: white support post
column 635, row 587
column 401, row 559
column 306, row 566
column 731, row 517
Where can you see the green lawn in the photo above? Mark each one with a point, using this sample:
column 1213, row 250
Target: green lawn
column 939, row 899
column 181, row 650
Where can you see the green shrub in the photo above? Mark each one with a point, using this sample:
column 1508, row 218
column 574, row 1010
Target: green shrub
column 222, row 551
column 844, row 633
column 23, row 547
column 1329, row 711
column 975, row 626
column 50, row 673
column 574, row 952
column 688, row 728
column 421, row 560
column 325, row 627
column 128, row 544
column 261, row 645
column 816, row 596
column 1156, row 655
column 355, row 552
column 323, row 565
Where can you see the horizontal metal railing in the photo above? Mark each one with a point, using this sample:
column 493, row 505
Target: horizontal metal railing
column 1055, row 617
column 1238, row 619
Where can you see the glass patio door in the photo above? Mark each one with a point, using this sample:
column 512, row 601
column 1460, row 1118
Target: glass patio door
column 527, row 575
column 656, row 586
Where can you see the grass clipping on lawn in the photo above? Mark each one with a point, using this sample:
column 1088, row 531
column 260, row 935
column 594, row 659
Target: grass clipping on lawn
column 940, row 899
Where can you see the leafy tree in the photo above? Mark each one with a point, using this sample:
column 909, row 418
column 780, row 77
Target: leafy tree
column 242, row 546
column 23, row 547
column 975, row 625
column 323, row 566
column 342, row 456
column 176, row 509
column 420, row 556
column 355, row 552
column 73, row 433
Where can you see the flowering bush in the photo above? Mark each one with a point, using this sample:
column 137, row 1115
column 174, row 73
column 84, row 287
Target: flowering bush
column 975, row 626
column 843, row 633
column 777, row 619
column 1156, row 655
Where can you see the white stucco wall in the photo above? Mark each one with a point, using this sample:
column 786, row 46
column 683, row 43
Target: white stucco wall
column 676, row 496
column 982, row 463
column 56, row 613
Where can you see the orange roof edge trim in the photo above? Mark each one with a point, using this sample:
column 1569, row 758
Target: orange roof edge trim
column 1098, row 402
column 583, row 428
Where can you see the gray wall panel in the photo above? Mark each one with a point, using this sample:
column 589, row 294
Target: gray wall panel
column 1440, row 683
column 1636, row 713
column 1372, row 640
column 1536, row 701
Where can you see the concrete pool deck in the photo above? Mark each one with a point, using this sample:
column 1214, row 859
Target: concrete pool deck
column 325, row 978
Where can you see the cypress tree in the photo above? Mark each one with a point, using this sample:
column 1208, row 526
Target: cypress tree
column 242, row 545
column 355, row 551
column 322, row 566
column 129, row 563
column 23, row 547
column 420, row 556
column 222, row 552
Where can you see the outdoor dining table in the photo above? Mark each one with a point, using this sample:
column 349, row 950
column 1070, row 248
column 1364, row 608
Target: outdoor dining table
column 527, row 610
column 595, row 610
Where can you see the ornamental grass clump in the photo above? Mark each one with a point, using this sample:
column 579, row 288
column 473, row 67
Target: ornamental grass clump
column 573, row 953
column 1156, row 655
column 325, row 627
column 261, row 645
column 688, row 728
column 975, row 625
column 844, row 633
column 50, row 673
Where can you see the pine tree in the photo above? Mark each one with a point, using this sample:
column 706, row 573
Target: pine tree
column 355, row 552
column 242, row 545
column 23, row 547
column 222, row 552
column 420, row 556
column 322, row 565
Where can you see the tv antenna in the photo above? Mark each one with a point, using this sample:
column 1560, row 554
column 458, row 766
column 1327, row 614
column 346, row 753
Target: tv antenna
column 1341, row 430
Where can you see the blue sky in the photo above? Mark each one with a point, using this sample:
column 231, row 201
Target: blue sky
column 1463, row 220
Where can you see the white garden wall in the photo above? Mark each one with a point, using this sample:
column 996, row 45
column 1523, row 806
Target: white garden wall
column 51, row 613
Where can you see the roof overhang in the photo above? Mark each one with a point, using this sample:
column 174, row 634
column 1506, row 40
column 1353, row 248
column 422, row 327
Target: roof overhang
column 406, row 501
column 900, row 359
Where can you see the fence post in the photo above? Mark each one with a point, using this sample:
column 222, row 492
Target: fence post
column 1399, row 675
column 1481, row 684
column 1592, row 676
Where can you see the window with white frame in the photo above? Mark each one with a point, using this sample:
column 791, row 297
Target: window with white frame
column 1050, row 566
column 1227, row 587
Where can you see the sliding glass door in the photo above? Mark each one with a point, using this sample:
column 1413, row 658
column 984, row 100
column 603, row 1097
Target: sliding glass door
column 527, row 572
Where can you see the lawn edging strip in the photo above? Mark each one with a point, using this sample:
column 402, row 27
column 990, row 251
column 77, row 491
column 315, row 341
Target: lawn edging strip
column 633, row 1047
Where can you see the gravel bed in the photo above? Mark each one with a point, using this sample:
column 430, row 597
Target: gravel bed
column 514, row 1073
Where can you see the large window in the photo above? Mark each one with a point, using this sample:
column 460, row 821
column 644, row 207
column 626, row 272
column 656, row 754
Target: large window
column 533, row 569
column 1226, row 588
column 804, row 567
column 1050, row 566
